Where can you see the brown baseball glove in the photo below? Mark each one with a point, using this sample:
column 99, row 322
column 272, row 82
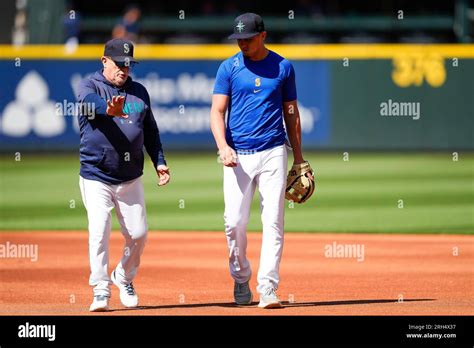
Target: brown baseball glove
column 299, row 186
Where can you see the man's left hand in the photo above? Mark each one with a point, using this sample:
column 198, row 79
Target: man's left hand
column 301, row 160
column 164, row 174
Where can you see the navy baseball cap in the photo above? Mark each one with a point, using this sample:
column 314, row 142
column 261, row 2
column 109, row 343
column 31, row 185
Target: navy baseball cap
column 120, row 51
column 247, row 26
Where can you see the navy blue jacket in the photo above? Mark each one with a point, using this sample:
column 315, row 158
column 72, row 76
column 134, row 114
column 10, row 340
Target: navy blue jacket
column 111, row 149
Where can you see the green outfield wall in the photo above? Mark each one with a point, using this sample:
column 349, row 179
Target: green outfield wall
column 435, row 107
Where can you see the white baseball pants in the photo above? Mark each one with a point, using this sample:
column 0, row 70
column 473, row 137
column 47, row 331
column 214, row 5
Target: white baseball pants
column 267, row 170
column 129, row 202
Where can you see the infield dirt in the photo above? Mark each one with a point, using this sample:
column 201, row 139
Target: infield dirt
column 186, row 273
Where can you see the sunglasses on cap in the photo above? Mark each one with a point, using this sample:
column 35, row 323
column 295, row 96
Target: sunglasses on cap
column 124, row 63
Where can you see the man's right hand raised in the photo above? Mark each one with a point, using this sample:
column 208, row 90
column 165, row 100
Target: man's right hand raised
column 115, row 107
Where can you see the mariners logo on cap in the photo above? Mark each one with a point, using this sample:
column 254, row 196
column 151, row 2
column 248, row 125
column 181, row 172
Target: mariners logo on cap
column 240, row 26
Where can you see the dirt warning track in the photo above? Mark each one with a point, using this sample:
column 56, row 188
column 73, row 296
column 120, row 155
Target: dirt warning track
column 186, row 273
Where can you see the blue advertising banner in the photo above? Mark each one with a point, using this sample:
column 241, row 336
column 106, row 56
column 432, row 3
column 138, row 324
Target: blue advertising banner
column 38, row 109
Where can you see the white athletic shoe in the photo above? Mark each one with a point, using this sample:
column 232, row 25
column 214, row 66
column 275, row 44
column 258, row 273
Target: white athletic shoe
column 100, row 304
column 128, row 296
column 242, row 293
column 269, row 299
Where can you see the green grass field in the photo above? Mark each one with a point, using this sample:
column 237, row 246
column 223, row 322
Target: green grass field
column 360, row 195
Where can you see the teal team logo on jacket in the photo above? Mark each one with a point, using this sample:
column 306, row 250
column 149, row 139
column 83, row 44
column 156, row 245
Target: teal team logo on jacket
column 133, row 107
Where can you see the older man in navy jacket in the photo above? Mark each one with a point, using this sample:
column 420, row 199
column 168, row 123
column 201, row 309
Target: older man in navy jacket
column 115, row 123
